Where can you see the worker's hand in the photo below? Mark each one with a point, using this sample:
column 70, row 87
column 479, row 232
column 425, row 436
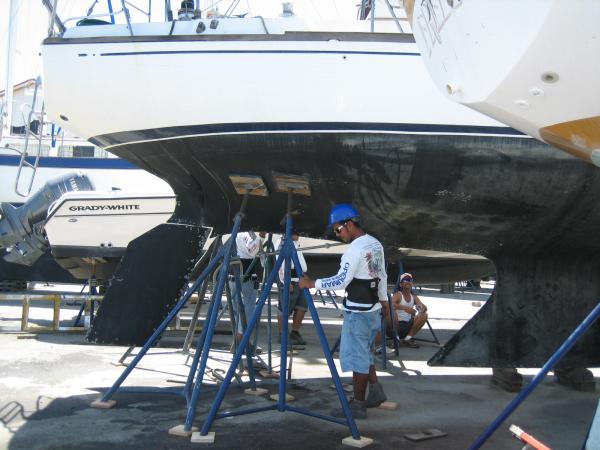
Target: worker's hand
column 413, row 312
column 306, row 282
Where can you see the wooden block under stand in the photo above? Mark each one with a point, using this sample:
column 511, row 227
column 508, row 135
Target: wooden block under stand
column 358, row 443
column 388, row 406
column 429, row 433
column 179, row 430
column 103, row 405
column 208, row 438
column 288, row 397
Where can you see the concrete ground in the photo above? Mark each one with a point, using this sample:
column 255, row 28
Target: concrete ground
column 48, row 380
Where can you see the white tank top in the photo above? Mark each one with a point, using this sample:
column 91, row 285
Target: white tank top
column 403, row 316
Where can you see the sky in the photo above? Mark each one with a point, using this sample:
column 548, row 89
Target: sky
column 32, row 22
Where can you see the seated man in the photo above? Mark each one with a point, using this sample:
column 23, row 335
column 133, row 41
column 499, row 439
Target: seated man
column 410, row 310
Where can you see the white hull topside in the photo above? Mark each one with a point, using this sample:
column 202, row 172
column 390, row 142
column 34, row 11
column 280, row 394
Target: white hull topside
column 155, row 82
column 105, row 220
column 128, row 180
column 533, row 65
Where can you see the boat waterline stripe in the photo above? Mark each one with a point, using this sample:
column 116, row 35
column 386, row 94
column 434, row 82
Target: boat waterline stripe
column 75, row 216
column 156, row 134
column 70, row 163
column 325, row 52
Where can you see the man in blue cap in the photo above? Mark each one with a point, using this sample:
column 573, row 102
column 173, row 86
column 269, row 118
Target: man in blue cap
column 362, row 274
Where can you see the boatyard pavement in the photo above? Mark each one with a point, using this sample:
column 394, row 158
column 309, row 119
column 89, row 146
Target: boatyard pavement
column 47, row 381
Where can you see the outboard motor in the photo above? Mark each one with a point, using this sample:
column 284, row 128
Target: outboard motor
column 22, row 228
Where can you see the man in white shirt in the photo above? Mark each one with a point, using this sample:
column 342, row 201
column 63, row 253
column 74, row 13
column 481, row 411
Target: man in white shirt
column 248, row 244
column 298, row 303
column 362, row 274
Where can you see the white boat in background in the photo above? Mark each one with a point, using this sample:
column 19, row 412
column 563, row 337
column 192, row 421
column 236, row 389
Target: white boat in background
column 530, row 64
column 32, row 136
column 92, row 229
column 107, row 221
column 44, row 167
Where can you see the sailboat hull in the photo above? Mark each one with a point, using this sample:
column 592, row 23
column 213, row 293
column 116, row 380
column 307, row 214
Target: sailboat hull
column 358, row 115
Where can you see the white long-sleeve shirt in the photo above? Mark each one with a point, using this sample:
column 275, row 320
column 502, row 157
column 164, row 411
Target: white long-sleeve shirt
column 248, row 244
column 364, row 259
column 300, row 258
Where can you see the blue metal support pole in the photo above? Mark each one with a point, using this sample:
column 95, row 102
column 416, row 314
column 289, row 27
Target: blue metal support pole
column 241, row 319
column 199, row 346
column 285, row 311
column 383, row 342
column 268, row 260
column 316, row 415
column 336, row 345
column 232, row 318
column 217, row 295
column 554, row 359
column 76, row 322
column 161, row 328
column 238, row 354
column 288, row 251
column 321, row 333
column 187, row 390
column 394, row 330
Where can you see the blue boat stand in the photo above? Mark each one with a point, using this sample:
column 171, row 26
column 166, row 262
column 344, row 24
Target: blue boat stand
column 287, row 255
column 223, row 256
column 191, row 391
column 554, row 359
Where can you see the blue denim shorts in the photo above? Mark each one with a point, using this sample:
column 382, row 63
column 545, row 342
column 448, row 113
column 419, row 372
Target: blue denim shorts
column 249, row 294
column 358, row 335
column 297, row 300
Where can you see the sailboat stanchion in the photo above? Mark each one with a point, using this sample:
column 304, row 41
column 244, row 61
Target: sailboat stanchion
column 287, row 255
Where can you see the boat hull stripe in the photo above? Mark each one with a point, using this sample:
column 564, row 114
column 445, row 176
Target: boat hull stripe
column 154, row 134
column 325, row 52
column 71, row 163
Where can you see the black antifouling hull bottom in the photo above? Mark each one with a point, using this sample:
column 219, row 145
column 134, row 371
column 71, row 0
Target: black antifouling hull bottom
column 529, row 208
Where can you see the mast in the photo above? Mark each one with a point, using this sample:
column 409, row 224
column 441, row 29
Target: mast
column 10, row 54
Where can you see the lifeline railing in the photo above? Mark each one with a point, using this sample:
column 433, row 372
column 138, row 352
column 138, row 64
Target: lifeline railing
column 367, row 11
